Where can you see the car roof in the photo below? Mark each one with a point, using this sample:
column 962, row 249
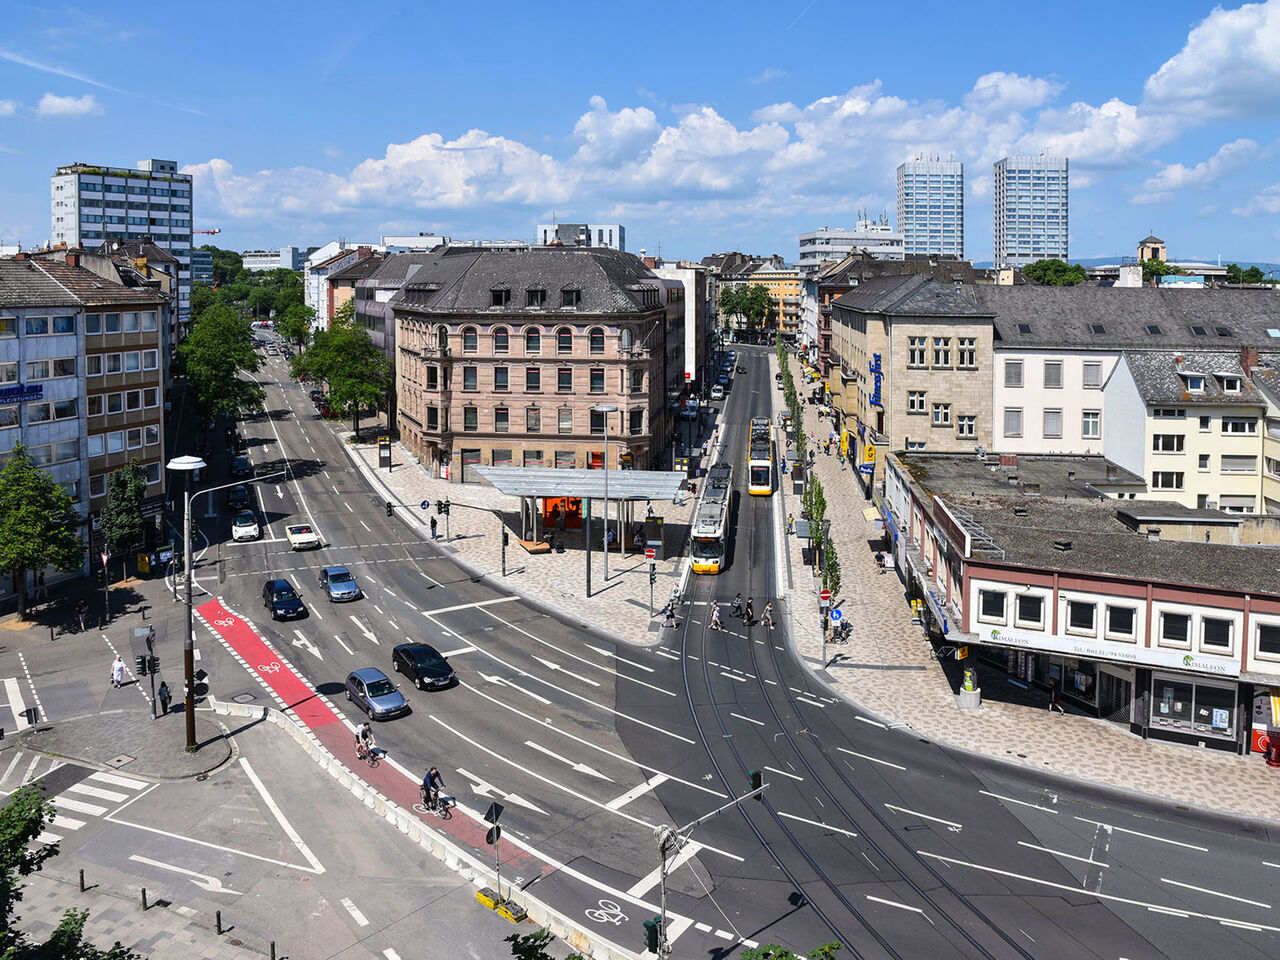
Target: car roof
column 367, row 673
column 304, row 527
column 334, row 569
column 246, row 515
column 410, row 648
column 277, row 584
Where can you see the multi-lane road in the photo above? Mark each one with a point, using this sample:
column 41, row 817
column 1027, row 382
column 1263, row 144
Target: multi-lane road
column 866, row 835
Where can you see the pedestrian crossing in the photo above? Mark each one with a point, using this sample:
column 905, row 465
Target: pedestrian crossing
column 93, row 797
column 22, row 768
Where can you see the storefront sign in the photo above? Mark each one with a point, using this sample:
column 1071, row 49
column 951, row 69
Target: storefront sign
column 1119, row 653
column 869, row 453
column 22, row 393
column 877, row 379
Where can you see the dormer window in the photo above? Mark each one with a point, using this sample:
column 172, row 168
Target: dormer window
column 1024, row 328
column 499, row 297
column 570, row 298
column 535, row 298
column 1230, row 384
column 1195, row 383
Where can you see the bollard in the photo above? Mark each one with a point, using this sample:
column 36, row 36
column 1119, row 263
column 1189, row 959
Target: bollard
column 82, row 881
column 217, row 915
column 273, row 950
column 51, row 631
column 144, row 898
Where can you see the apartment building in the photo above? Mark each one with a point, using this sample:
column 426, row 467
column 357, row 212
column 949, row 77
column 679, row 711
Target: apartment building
column 931, row 207
column 342, row 283
column 612, row 236
column 786, row 287
column 875, row 237
column 285, row 258
column 1266, row 381
column 502, row 356
column 1030, row 203
column 321, row 262
column 91, row 203
column 695, row 327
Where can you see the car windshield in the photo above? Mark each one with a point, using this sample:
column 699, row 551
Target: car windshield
column 340, row 576
column 284, row 593
column 380, row 688
column 300, row 530
column 245, row 518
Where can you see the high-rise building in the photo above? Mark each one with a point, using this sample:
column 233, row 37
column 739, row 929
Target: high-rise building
column 202, row 267
column 1029, row 202
column 90, row 204
column 931, row 207
column 832, row 244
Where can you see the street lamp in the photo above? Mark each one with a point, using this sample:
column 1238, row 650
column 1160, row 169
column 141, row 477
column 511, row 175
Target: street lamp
column 604, row 409
column 187, row 465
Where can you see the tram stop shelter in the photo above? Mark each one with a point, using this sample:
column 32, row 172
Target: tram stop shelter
column 543, row 491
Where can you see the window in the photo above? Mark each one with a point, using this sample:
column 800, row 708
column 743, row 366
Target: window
column 150, row 322
column 1216, row 633
column 433, row 418
column 1272, row 466
column 470, row 340
column 637, row 381
column 1120, row 622
column 1166, row 480
column 1030, row 611
column 1154, row 330
column 1024, row 328
column 97, row 445
column 967, row 352
column 570, row 298
column 115, row 442
column 37, row 326
column 1203, row 463
column 1097, row 329
column 431, row 378
column 1206, row 424
column 153, row 473
column 93, row 323
column 1230, row 384
column 942, row 351
column 564, row 379
column 151, row 434
column 533, row 420
column 1195, row 384
column 564, row 340
column 37, row 369
column 1012, row 421
column 111, row 323
column 470, row 419
column 150, row 359
column 501, row 339
column 635, row 425
column 533, row 458
column 132, row 361
column 115, row 403
column 991, row 605
column 1168, row 413
column 532, row 379
column 501, row 420
column 565, row 460
column 966, row 426
column 597, row 380
column 98, row 486
column 133, row 400
column 1013, row 373
column 501, row 382
column 1168, row 443
column 130, row 323
column 499, row 297
column 1175, row 629
column 93, row 405
column 626, row 338
column 1080, row 616
column 470, row 378
column 1053, row 423
column 942, row 414
column 1236, row 463
column 113, row 362
column 8, row 326
column 1091, row 424
column 133, row 437
column 1240, row 425
column 916, row 347
column 535, row 298
column 64, row 324
column 1269, row 639
column 39, row 412
column 597, row 423
column 8, row 372
column 596, row 340
column 1223, row 331
column 915, row 401
column 564, row 421
column 1053, row 374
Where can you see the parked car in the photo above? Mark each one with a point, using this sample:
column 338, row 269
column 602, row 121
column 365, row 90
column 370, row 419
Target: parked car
column 373, row 692
column 238, row 498
column 302, row 536
column 717, row 392
column 316, row 396
column 778, row 376
column 241, row 467
column 424, row 665
column 244, row 526
column 339, row 584
column 282, row 600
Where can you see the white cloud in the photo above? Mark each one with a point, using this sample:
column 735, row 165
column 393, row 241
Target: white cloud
column 1229, row 158
column 1266, row 201
column 8, row 108
column 767, row 74
column 1209, row 209
column 1229, row 66
column 52, row 105
column 1111, row 136
column 609, row 138
column 1001, row 92
column 1149, row 197
column 979, row 186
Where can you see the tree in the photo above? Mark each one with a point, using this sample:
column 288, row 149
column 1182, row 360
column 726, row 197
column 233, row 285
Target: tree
column 202, row 298
column 1156, row 268
column 216, row 352
column 774, row 952
column 1253, row 275
column 38, row 523
column 121, row 519
column 357, row 372
column 732, row 302
column 261, row 300
column 533, row 946
column 1055, row 273
column 227, row 264
column 22, row 819
column 295, row 324
column 758, row 306
column 831, row 569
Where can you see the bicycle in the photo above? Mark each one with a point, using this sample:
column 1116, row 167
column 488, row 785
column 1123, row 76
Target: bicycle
column 434, row 803
column 366, row 754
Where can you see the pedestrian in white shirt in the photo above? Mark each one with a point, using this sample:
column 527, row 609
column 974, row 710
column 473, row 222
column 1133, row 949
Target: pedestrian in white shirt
column 117, row 672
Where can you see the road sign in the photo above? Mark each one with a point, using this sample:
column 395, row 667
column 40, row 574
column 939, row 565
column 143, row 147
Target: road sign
column 493, row 813
column 962, row 653
column 825, row 596
column 836, row 615
column 493, row 834
column 867, row 468
column 650, row 553
column 425, row 505
column 103, row 555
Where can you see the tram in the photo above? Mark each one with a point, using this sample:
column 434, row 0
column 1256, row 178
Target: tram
column 711, row 521
column 760, row 457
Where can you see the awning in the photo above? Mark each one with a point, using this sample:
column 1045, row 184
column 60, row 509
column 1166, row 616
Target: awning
column 871, row 514
column 550, row 482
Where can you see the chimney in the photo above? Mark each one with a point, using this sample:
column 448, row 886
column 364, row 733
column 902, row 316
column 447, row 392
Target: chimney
column 651, row 262
column 1008, row 459
column 1063, row 545
column 73, row 259
column 1111, row 471
column 1248, row 359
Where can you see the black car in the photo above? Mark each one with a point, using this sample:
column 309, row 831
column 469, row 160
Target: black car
column 742, row 369
column 778, row 377
column 238, row 498
column 282, row 600
column 241, row 467
column 424, row 665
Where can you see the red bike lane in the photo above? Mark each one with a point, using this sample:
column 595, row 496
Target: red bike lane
column 312, row 712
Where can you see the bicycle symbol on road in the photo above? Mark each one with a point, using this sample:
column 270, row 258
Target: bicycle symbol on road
column 609, row 912
column 272, row 667
column 224, row 623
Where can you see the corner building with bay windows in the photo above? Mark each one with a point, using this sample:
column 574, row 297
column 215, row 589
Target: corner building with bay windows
column 501, row 356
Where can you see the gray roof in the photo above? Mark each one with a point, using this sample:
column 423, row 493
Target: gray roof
column 948, row 474
column 1160, row 378
column 1166, row 511
column 24, row 284
column 550, row 482
column 358, row 270
column 913, row 295
column 393, row 271
column 1036, row 316
column 1266, row 378
column 462, row 279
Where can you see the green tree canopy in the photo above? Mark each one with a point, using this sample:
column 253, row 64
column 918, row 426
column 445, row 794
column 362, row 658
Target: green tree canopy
column 261, row 300
column 202, row 298
column 774, row 952
column 733, row 301
column 758, row 306
column 227, row 264
column 1055, row 273
column 1157, row 268
column 357, row 372
column 218, row 350
column 38, row 522
column 121, row 519
column 1253, row 275
column 295, row 324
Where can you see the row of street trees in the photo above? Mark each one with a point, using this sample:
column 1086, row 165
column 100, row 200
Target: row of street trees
column 752, row 303
column 356, row 373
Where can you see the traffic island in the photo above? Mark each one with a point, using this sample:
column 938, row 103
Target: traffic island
column 131, row 742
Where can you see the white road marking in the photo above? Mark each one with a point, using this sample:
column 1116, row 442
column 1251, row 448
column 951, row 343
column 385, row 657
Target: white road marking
column 18, row 706
column 79, row 806
column 1059, row 853
column 818, row 823
column 874, row 723
column 579, row 767
column 306, row 644
column 726, row 673
column 363, row 629
column 348, row 506
column 456, row 653
column 503, row 681
column 344, row 645
column 552, row 665
column 758, row 723
column 201, row 880
column 379, row 609
column 335, row 489
column 66, row 823
column 285, row 825
column 872, row 759
column 1268, row 863
column 366, row 526
column 813, row 703
column 785, row 774
column 97, row 793
column 618, row 802
column 46, row 837
column 654, row 876
column 670, row 656
column 390, row 954
column 1021, row 803
column 35, row 694
column 467, row 606
column 609, row 653
column 1215, row 893
column 116, row 780
column 924, row 816
column 356, row 915
column 1149, row 836
column 894, row 903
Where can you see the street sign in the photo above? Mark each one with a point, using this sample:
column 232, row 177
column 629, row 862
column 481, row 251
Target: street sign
column 650, row 553
column 825, row 596
column 493, row 813
column 103, row 555
column 492, row 835
column 425, row 505
column 962, row 653
column 867, row 468
column 836, row 615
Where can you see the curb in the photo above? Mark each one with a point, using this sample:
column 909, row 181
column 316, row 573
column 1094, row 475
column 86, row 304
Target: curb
column 460, row 861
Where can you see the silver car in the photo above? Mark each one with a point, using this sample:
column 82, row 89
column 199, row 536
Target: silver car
column 373, row 692
column 339, row 584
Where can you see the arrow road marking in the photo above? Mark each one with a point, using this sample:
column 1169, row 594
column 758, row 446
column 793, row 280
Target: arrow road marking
column 579, row 767
column 508, row 683
column 550, row 665
column 485, row 789
column 363, row 629
column 306, row 644
column 203, row 881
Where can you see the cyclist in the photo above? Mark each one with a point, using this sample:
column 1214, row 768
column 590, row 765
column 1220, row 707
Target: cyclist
column 365, row 741
column 430, row 789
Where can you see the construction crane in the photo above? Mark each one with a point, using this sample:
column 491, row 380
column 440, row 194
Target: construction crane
column 211, row 232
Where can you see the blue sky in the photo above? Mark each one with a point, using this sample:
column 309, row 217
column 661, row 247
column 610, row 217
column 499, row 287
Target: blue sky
column 700, row 127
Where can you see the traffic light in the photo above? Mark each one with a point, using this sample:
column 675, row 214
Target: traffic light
column 653, row 576
column 140, row 665
column 153, row 664
column 506, row 538
column 652, row 929
column 757, row 782
column 391, row 509
column 446, row 508
column 439, row 508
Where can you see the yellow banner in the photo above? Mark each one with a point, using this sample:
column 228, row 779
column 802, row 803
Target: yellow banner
column 844, row 443
column 869, row 453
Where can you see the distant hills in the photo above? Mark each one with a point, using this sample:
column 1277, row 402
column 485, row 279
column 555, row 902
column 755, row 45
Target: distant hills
column 1098, row 261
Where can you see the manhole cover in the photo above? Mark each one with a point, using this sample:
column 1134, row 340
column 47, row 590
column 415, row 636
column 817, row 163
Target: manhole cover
column 244, row 698
column 120, row 760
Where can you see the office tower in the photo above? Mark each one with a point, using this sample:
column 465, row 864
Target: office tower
column 1029, row 204
column 931, row 207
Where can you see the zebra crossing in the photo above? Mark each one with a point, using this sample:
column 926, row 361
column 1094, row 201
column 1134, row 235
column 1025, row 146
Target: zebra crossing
column 89, row 796
column 23, row 768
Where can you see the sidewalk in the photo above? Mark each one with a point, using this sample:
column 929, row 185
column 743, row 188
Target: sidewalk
column 887, row 667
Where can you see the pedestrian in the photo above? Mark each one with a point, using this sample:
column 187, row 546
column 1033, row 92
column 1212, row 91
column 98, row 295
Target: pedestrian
column 165, row 697
column 1055, row 697
column 737, row 604
column 117, row 672
column 748, row 615
column 82, row 610
column 669, row 615
column 791, row 523
column 715, row 618
column 768, row 614
column 433, row 528
column 42, row 592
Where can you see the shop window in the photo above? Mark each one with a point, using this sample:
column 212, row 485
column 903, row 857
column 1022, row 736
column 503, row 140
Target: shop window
column 1215, row 633
column 991, row 605
column 1171, row 703
column 1269, row 639
column 1120, row 622
column 1030, row 611
column 1080, row 616
column 1175, row 629
column 1215, row 710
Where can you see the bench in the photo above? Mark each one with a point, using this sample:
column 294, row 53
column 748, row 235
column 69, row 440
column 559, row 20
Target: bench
column 535, row 546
